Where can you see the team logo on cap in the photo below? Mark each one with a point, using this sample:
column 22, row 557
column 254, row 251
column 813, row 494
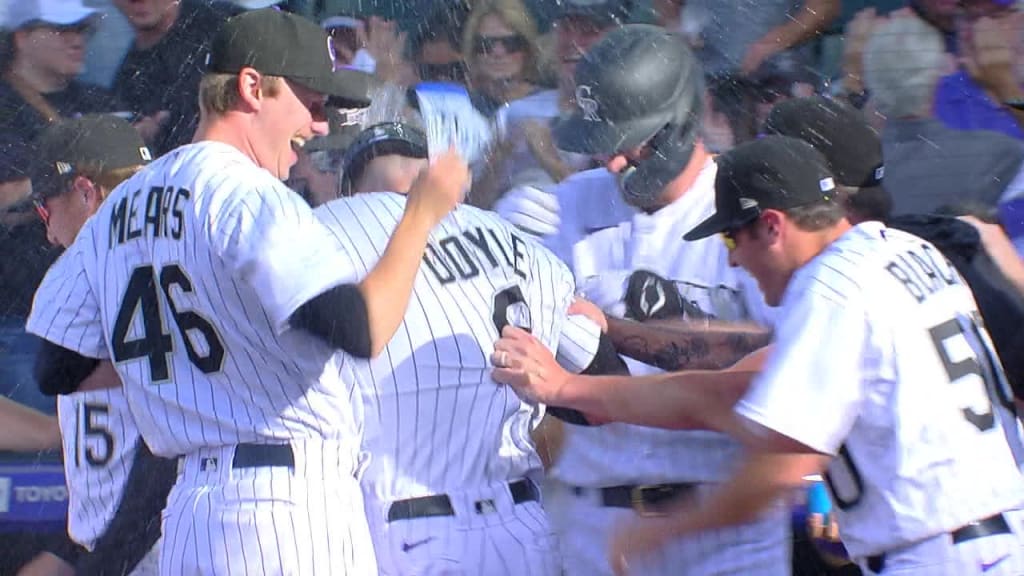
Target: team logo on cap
column 63, row 168
column 587, row 104
column 144, row 153
column 826, row 184
column 747, row 203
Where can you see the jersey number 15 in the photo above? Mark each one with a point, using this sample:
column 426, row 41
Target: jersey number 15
column 142, row 298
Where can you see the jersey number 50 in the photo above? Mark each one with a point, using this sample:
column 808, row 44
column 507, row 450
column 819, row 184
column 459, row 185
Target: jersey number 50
column 142, row 298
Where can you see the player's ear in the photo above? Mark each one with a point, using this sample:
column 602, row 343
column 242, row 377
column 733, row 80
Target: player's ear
column 249, row 88
column 89, row 190
column 771, row 225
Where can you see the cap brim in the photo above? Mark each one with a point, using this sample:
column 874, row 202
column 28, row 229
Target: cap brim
column 67, row 16
column 344, row 88
column 577, row 134
column 1015, row 104
column 712, row 225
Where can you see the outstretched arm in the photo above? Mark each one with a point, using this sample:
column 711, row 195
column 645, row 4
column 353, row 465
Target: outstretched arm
column 684, row 344
column 684, row 400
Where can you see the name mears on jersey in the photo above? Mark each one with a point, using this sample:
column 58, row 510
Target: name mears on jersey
column 158, row 213
column 463, row 256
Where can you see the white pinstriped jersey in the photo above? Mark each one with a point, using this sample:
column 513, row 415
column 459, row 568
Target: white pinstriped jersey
column 605, row 240
column 100, row 440
column 881, row 358
column 435, row 421
column 186, row 277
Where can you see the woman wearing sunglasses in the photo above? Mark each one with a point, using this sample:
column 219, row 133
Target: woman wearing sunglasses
column 500, row 47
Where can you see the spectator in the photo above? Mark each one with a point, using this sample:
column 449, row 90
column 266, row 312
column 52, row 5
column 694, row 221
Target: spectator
column 989, row 42
column 159, row 77
column 47, row 52
column 738, row 36
column 434, row 47
column 928, row 165
column 27, row 256
column 348, row 38
column 501, row 51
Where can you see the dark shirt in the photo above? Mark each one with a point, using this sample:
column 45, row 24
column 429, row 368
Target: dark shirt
column 26, row 257
column 18, row 117
column 166, row 76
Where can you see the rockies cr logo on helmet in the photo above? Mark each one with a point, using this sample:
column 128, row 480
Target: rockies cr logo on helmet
column 587, row 104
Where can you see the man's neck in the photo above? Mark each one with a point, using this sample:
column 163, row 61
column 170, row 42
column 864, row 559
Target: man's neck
column 38, row 79
column 821, row 240
column 678, row 187
column 149, row 37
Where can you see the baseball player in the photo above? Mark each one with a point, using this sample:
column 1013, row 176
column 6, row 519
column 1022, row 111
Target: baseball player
column 621, row 234
column 220, row 300
column 880, row 352
column 78, row 162
column 439, row 500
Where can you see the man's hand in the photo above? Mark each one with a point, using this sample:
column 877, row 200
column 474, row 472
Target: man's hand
column 584, row 307
column 526, row 365
column 857, row 32
column 439, row 187
column 530, row 209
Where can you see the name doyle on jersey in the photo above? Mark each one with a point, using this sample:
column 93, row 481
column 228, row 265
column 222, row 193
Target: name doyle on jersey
column 452, row 258
column 158, row 214
column 923, row 271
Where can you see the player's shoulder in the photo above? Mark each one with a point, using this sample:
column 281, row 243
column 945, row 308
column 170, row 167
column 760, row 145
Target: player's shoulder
column 850, row 264
column 374, row 205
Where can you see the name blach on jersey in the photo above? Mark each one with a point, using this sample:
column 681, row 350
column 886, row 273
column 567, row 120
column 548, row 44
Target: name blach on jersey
column 452, row 258
column 158, row 214
column 923, row 272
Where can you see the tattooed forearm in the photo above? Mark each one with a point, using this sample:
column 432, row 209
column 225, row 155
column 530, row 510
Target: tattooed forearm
column 679, row 344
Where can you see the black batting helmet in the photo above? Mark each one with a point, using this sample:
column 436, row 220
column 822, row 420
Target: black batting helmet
column 384, row 139
column 639, row 86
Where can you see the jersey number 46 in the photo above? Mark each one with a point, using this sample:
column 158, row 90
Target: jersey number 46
column 142, row 299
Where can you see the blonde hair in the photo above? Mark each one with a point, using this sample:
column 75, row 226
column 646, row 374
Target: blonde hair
column 106, row 180
column 218, row 93
column 515, row 15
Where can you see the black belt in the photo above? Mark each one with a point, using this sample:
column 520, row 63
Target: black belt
column 261, row 455
column 441, row 504
column 646, row 500
column 990, row 526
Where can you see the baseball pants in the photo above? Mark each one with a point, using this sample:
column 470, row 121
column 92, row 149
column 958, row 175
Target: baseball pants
column 996, row 554
column 489, row 534
column 291, row 510
column 585, row 526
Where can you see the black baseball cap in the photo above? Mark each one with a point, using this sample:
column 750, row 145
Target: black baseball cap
column 279, row 43
column 773, row 172
column 103, row 141
column 837, row 130
column 604, row 13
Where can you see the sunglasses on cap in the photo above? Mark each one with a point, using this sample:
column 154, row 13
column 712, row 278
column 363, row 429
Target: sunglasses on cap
column 512, row 44
column 39, row 203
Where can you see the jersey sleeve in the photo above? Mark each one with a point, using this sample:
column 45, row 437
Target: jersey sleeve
column 1011, row 211
column 811, row 390
column 271, row 241
column 65, row 310
column 578, row 343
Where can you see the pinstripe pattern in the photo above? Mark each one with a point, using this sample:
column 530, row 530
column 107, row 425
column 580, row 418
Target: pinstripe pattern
column 436, row 422
column 604, row 241
column 95, row 469
column 226, row 253
column 913, row 464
